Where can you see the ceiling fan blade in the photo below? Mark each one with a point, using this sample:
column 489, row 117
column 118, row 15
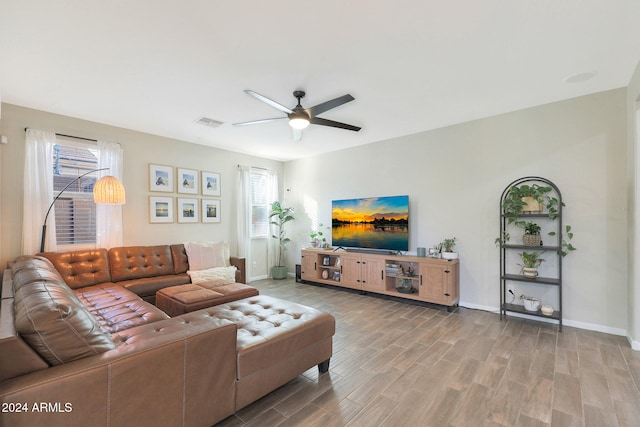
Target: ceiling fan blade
column 325, row 106
column 325, row 122
column 255, row 122
column 271, row 102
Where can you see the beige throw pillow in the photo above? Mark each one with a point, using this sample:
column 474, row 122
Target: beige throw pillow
column 204, row 255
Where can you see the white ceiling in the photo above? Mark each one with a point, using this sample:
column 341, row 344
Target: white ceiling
column 412, row 65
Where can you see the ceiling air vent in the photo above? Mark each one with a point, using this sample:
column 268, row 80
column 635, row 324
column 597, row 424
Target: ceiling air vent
column 206, row 121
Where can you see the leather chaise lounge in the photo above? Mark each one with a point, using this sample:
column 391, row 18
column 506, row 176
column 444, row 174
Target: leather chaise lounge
column 101, row 355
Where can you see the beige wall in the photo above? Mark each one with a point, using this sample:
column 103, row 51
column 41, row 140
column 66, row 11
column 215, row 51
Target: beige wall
column 140, row 149
column 454, row 177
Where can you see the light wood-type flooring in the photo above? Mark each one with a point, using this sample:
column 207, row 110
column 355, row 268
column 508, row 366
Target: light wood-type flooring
column 398, row 364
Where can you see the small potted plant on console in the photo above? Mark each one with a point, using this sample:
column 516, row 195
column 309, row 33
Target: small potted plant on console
column 447, row 248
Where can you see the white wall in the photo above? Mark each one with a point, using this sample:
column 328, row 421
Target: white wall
column 633, row 137
column 140, row 150
column 454, row 177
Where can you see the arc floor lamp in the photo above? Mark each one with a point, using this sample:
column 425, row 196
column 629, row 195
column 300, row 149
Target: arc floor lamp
column 108, row 190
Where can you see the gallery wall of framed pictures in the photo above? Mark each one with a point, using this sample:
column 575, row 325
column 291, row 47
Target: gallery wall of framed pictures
column 188, row 206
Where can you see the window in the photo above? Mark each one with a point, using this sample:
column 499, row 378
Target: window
column 260, row 205
column 75, row 212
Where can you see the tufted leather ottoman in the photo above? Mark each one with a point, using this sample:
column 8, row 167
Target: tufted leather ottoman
column 176, row 300
column 277, row 341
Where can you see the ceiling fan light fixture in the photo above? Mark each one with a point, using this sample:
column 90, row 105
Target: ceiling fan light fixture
column 298, row 121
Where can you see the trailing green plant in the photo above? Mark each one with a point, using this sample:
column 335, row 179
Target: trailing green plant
column 531, row 259
column 565, row 244
column 504, row 239
column 513, row 202
column 512, row 209
column 279, row 217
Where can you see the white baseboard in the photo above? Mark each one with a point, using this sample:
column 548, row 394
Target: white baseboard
column 580, row 325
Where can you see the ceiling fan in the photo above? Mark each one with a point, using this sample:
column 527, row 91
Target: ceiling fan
column 300, row 117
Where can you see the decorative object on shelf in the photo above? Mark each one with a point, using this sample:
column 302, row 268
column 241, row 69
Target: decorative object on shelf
column 434, row 252
column 210, row 183
column 546, row 309
column 318, row 239
column 531, row 235
column 530, row 303
column 326, row 261
column 421, row 252
column 279, row 217
column 447, row 248
column 530, row 263
column 325, row 274
column 338, row 262
column 403, row 285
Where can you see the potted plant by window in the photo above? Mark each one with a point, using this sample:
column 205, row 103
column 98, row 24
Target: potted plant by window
column 530, row 263
column 279, row 217
column 447, row 248
column 531, row 235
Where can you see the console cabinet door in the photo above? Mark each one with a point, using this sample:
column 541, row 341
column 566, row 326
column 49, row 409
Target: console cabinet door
column 372, row 270
column 309, row 270
column 351, row 276
column 436, row 283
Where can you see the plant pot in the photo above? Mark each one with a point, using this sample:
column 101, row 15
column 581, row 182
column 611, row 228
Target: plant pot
column 531, row 239
column 450, row 255
column 530, row 273
column 531, row 304
column 314, row 243
column 531, row 205
column 279, row 272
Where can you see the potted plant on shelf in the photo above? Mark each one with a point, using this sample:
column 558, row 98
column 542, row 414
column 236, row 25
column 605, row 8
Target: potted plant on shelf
column 530, row 303
column 447, row 248
column 279, row 217
column 531, row 235
column 529, row 199
column 530, row 263
column 317, row 238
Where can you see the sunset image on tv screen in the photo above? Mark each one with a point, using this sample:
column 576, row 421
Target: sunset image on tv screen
column 375, row 222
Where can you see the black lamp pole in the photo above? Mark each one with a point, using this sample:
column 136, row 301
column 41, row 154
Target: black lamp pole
column 44, row 224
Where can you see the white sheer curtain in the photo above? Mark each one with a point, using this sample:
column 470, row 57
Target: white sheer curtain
column 272, row 196
column 243, row 194
column 109, row 217
column 38, row 191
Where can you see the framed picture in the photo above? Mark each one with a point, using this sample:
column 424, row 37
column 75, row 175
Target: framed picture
column 160, row 209
column 210, row 210
column 187, row 181
column 188, row 210
column 161, row 178
column 210, row 184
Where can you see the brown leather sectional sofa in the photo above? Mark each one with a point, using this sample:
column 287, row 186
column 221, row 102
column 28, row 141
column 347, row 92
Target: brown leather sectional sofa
column 84, row 346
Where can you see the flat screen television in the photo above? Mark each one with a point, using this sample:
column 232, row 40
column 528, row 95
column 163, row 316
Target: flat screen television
column 371, row 223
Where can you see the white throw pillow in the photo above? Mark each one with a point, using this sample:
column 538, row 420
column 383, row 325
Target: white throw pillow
column 225, row 273
column 203, row 255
